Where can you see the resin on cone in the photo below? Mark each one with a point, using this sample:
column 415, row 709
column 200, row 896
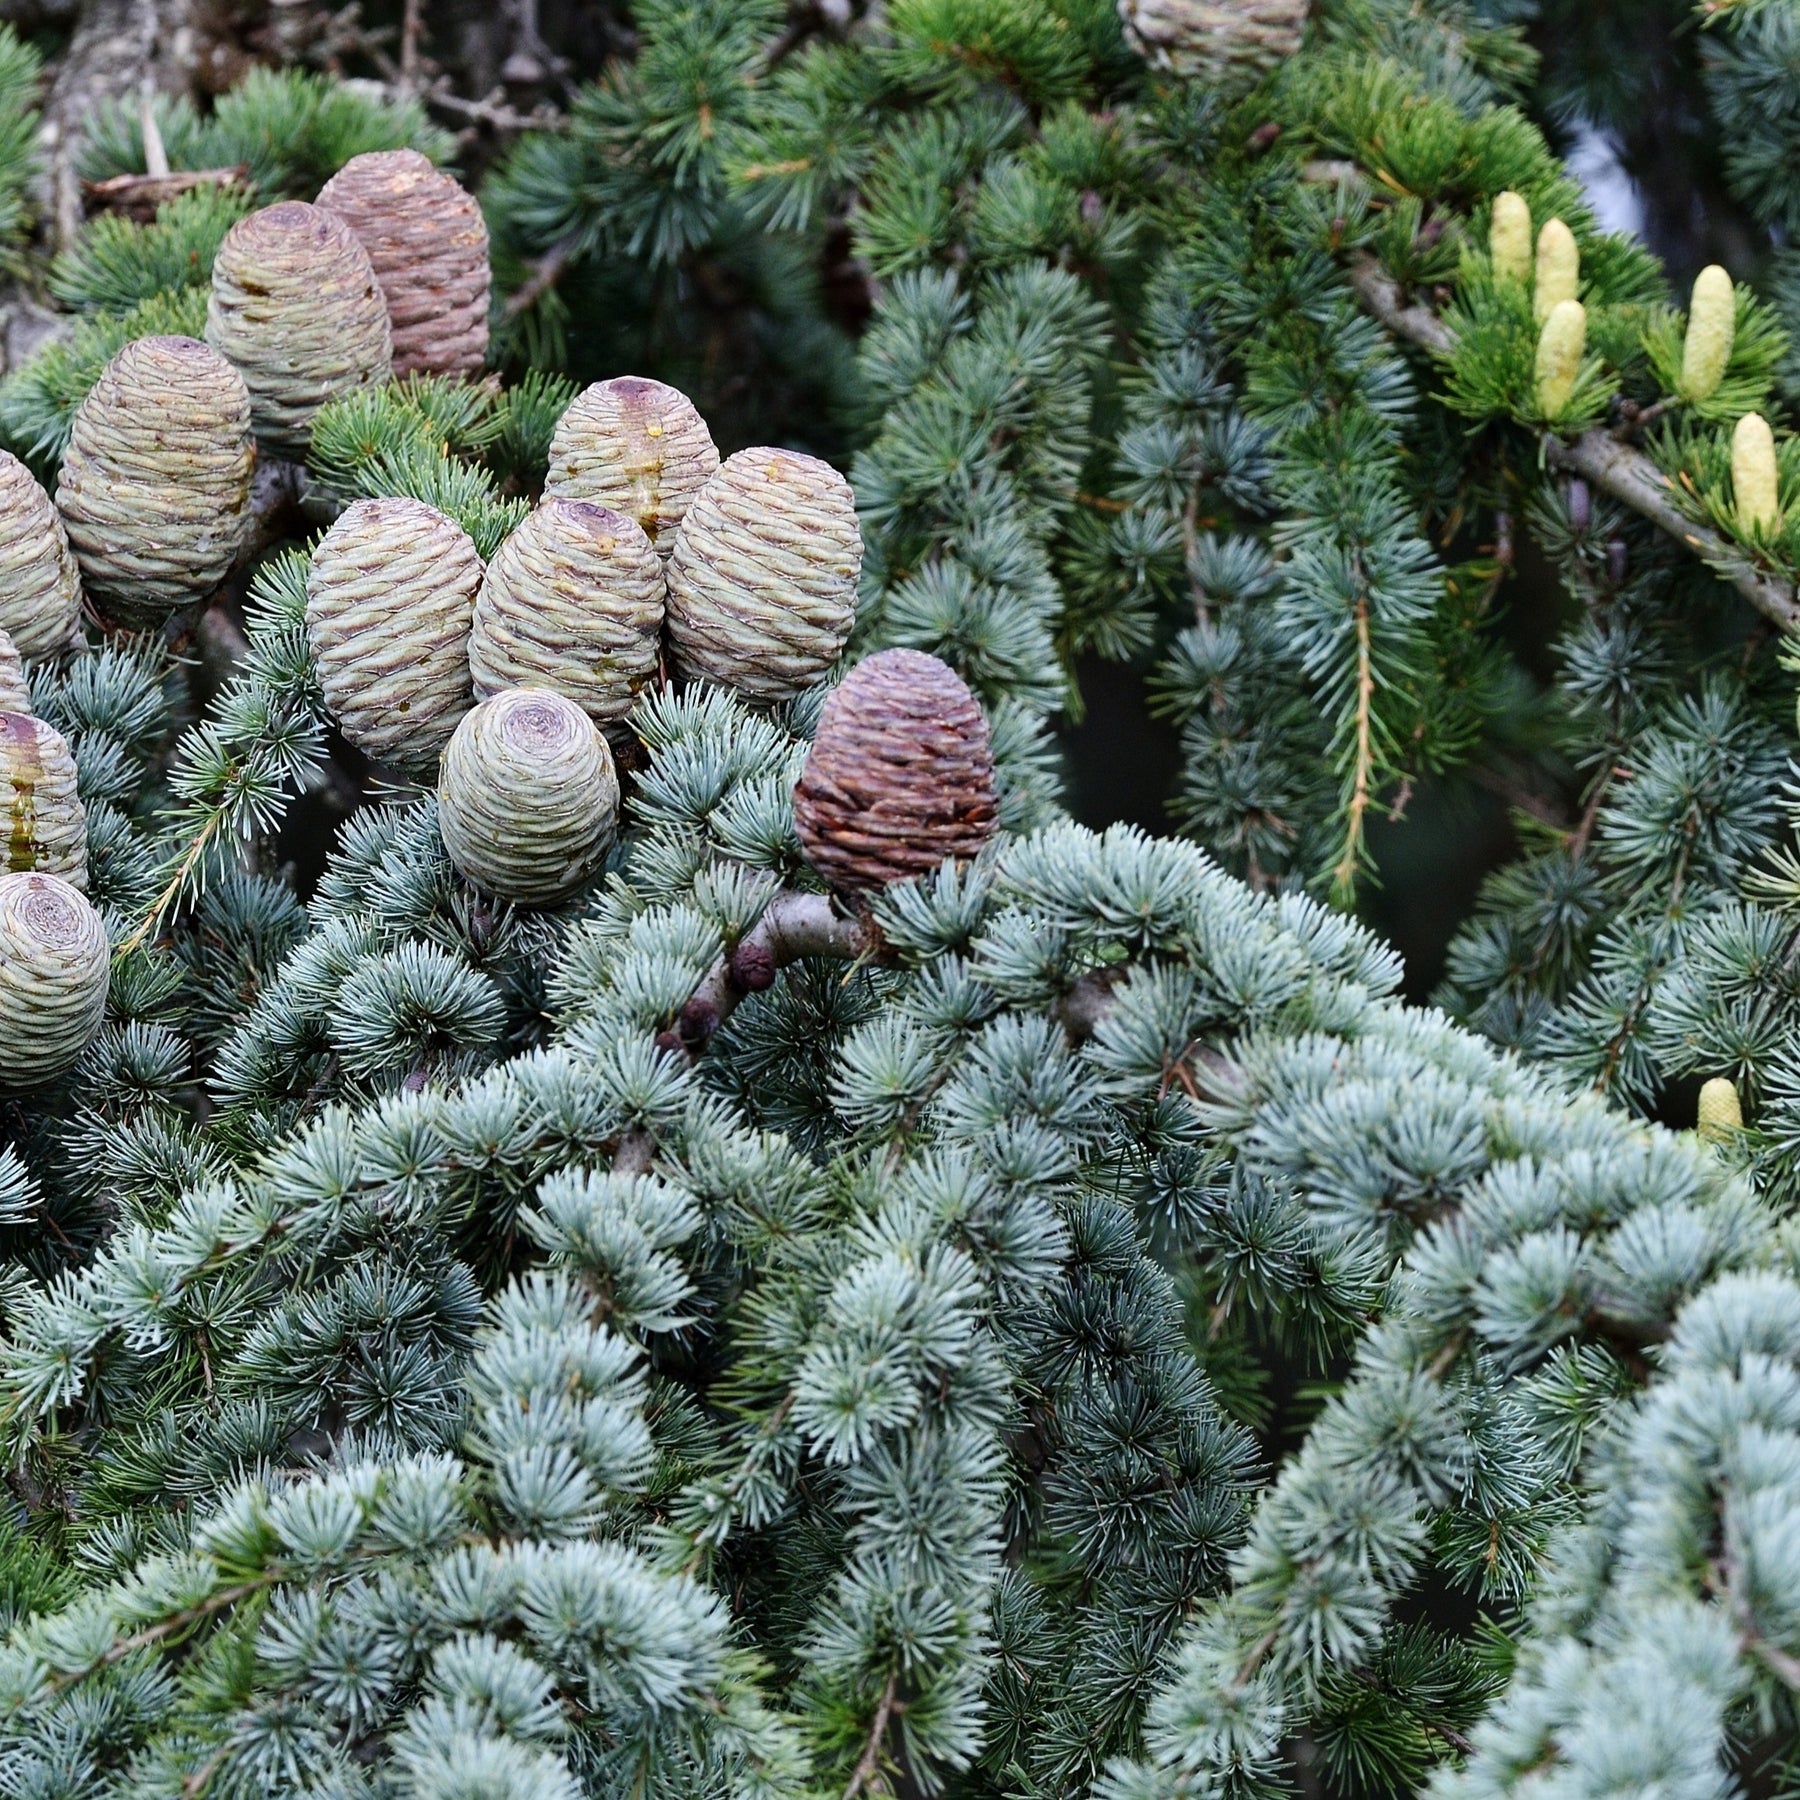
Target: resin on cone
column 296, row 309
column 40, row 586
column 428, row 244
column 762, row 584
column 15, row 692
column 1223, row 43
column 155, row 483
column 527, row 796
column 636, row 446
column 573, row 601
column 54, row 968
column 46, row 824
column 900, row 774
column 390, row 598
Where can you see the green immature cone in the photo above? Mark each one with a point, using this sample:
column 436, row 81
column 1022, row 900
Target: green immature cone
column 900, row 774
column 40, row 585
column 636, row 446
column 762, row 584
column 155, row 484
column 53, row 977
column 390, row 599
column 1509, row 238
column 527, row 796
column 1720, row 1111
column 1711, row 329
column 46, row 824
column 573, row 601
column 428, row 244
column 1558, row 275
column 1225, row 43
column 296, row 309
column 1755, row 477
column 1561, row 345
column 15, row 694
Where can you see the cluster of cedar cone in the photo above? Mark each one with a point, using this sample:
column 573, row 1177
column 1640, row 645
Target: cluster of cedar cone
column 511, row 681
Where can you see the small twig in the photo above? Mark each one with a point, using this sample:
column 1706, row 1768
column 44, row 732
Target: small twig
column 139, row 196
column 545, row 273
column 412, row 26
column 870, row 1760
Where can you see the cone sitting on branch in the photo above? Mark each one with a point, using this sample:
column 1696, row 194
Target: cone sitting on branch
column 572, row 601
column 297, row 311
column 637, row 446
column 428, row 243
column 762, row 585
column 155, row 484
column 390, row 599
column 527, row 796
column 900, row 774
column 40, row 585
column 53, row 977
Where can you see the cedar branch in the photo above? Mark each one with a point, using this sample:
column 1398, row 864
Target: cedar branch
column 1597, row 456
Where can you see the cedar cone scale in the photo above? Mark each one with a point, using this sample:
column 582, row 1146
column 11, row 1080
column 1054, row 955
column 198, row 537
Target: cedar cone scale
column 1223, row 43
column 429, row 245
column 900, row 774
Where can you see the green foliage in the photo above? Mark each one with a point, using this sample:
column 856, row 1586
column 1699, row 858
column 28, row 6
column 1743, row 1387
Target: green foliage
column 1074, row 1331
column 19, row 70
column 116, row 264
column 288, row 129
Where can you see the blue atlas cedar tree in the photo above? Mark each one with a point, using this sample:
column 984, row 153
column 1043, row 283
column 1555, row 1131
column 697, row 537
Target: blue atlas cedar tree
column 642, row 1284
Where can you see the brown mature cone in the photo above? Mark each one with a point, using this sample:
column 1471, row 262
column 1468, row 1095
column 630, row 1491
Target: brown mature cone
column 573, row 601
column 40, row 586
column 15, row 692
column 762, row 584
column 637, row 446
column 46, row 824
column 298, row 312
column 429, row 245
column 54, row 969
column 390, row 598
column 900, row 774
column 1223, row 43
column 155, row 484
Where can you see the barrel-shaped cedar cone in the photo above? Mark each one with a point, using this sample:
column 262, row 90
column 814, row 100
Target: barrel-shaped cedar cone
column 46, row 824
column 428, row 243
column 15, row 692
column 40, row 586
column 297, row 311
column 527, row 796
column 637, row 446
column 900, row 774
column 762, row 584
column 573, row 600
column 1223, row 43
column 53, row 977
column 155, row 483
column 390, row 598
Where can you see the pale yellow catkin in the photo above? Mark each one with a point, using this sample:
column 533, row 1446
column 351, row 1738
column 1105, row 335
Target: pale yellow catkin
column 1558, row 269
column 1561, row 345
column 1755, row 484
column 1721, row 1113
column 1509, row 238
column 1711, row 328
